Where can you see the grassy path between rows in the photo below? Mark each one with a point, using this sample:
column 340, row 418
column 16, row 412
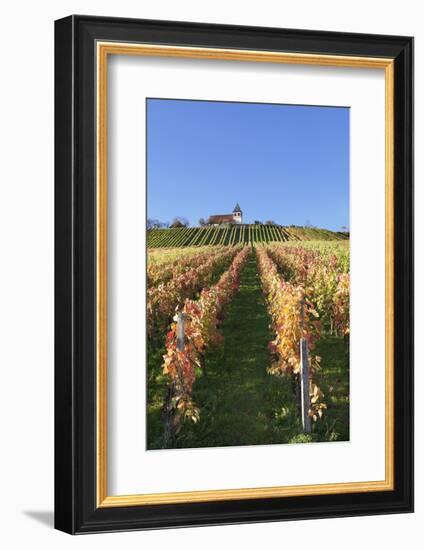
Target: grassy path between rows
column 240, row 403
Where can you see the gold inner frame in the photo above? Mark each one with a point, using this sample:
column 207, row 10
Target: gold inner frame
column 104, row 49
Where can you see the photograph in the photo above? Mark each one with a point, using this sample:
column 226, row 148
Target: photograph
column 248, row 273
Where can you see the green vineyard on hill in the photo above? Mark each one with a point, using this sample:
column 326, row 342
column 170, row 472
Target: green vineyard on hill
column 236, row 234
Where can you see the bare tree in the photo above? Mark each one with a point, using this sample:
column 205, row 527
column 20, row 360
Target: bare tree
column 155, row 224
column 202, row 222
column 179, row 221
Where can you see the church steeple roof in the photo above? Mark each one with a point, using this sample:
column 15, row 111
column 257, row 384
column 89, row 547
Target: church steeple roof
column 237, row 208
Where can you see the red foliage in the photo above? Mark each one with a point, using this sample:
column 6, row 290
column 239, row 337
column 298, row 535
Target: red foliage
column 202, row 319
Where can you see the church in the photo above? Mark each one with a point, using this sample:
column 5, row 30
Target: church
column 220, row 219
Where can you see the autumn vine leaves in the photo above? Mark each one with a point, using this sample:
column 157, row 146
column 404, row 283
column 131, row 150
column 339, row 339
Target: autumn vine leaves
column 294, row 317
column 202, row 319
column 307, row 294
column 324, row 275
column 190, row 277
column 307, row 291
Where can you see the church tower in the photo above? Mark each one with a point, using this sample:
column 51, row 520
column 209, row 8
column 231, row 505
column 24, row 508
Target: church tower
column 237, row 214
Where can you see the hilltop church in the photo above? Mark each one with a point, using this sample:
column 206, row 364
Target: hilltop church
column 221, row 219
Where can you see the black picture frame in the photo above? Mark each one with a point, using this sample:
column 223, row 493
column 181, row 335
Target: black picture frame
column 76, row 510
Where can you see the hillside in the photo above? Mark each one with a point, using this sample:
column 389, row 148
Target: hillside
column 234, row 234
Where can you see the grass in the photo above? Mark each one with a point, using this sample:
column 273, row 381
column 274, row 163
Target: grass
column 156, row 391
column 333, row 379
column 240, row 403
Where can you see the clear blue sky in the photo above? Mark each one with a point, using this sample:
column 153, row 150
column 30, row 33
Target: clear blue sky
column 286, row 163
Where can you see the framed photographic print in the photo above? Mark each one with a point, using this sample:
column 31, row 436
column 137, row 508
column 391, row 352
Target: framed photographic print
column 234, row 274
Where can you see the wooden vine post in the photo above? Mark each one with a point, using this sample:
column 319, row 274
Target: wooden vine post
column 305, row 397
column 180, row 331
column 304, row 386
column 171, row 417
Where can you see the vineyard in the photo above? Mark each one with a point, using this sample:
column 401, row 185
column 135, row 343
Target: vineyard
column 248, row 345
column 247, row 234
